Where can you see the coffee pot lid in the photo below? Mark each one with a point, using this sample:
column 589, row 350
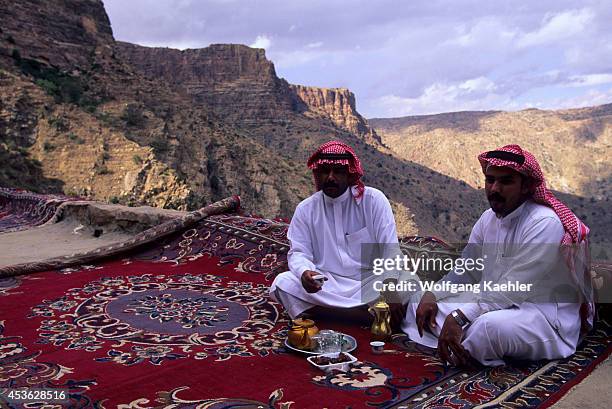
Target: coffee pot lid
column 302, row 322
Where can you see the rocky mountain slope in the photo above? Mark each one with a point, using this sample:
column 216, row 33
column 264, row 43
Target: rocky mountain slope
column 82, row 113
column 572, row 146
column 88, row 123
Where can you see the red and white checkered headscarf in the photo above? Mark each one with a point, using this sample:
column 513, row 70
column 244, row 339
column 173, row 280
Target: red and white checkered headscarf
column 339, row 153
column 514, row 157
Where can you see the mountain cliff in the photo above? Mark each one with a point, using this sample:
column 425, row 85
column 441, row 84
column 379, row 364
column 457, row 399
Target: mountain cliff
column 236, row 82
column 60, row 34
column 337, row 104
column 240, row 86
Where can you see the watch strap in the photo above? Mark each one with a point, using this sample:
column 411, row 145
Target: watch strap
column 459, row 319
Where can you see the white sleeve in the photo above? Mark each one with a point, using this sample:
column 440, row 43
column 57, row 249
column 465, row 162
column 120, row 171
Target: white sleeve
column 385, row 231
column 473, row 251
column 300, row 256
column 536, row 256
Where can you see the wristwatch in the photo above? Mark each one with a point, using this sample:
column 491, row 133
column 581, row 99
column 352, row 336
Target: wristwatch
column 459, row 318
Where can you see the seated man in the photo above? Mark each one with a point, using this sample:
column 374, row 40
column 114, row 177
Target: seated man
column 518, row 241
column 326, row 234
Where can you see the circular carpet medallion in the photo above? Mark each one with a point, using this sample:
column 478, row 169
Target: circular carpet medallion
column 158, row 317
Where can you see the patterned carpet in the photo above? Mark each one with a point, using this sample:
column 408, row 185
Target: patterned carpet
column 20, row 209
column 186, row 322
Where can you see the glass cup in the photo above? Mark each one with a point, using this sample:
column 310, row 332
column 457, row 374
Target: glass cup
column 330, row 342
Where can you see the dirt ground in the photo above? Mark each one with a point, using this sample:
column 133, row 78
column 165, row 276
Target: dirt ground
column 82, row 227
column 593, row 392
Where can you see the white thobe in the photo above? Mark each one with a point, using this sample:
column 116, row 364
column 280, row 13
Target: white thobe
column 326, row 236
column 530, row 325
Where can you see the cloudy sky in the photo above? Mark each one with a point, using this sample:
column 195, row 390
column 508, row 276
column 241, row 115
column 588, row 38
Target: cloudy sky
column 404, row 57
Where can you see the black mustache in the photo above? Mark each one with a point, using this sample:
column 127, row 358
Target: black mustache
column 496, row 197
column 329, row 184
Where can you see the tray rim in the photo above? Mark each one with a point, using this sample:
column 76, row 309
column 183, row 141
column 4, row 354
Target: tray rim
column 303, row 351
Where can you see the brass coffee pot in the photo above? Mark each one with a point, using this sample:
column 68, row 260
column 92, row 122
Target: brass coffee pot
column 301, row 332
column 381, row 327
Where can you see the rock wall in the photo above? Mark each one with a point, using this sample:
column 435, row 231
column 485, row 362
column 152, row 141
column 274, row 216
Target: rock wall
column 67, row 40
column 239, row 84
column 236, row 82
column 337, row 104
column 75, row 117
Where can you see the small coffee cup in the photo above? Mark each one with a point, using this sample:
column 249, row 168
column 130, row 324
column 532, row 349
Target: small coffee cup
column 377, row 347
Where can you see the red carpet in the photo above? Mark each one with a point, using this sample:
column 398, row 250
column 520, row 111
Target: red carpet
column 187, row 322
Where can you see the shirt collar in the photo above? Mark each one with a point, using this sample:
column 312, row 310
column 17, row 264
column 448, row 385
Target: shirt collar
column 340, row 199
column 515, row 213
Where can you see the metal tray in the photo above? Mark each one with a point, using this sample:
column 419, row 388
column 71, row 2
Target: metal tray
column 349, row 344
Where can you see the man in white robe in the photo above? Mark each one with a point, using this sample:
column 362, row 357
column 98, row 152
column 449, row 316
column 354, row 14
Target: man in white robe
column 518, row 241
column 326, row 234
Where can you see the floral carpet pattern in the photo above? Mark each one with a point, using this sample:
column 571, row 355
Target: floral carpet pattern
column 154, row 317
column 186, row 321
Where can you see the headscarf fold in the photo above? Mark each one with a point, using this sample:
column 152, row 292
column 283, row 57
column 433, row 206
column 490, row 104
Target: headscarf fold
column 574, row 244
column 339, row 153
column 514, row 157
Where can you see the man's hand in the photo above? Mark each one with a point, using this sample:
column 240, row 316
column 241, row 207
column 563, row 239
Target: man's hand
column 309, row 283
column 398, row 313
column 449, row 343
column 426, row 313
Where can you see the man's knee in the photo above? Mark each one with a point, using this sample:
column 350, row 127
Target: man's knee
column 281, row 277
column 509, row 333
column 491, row 336
column 496, row 327
column 282, row 282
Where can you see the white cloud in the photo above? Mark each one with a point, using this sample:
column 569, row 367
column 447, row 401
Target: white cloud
column 178, row 45
column 440, row 97
column 315, row 45
column 592, row 97
column 589, row 80
column 473, row 94
column 295, row 58
column 262, row 41
column 312, row 58
column 487, row 30
column 477, row 85
column 557, row 27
